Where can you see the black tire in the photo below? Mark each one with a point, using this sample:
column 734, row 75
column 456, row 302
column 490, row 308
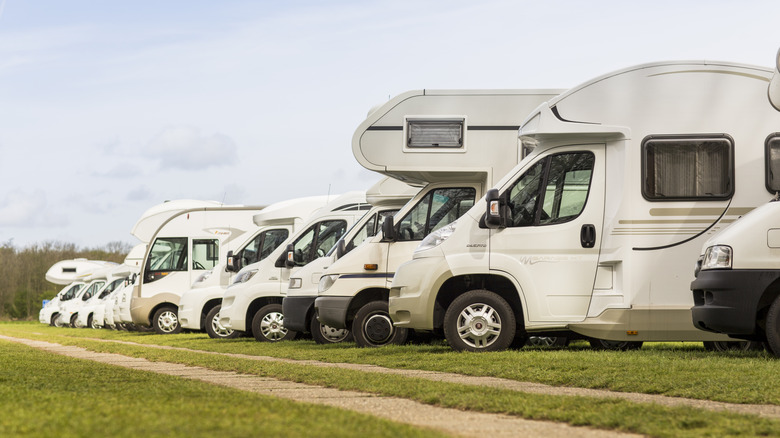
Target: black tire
column 214, row 329
column 373, row 327
column 603, row 344
column 166, row 321
column 73, row 319
column 53, row 320
column 733, row 345
column 268, row 325
column 469, row 319
column 773, row 328
column 323, row 334
column 548, row 341
column 91, row 322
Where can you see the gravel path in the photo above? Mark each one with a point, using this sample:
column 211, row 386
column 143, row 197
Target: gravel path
column 456, row 422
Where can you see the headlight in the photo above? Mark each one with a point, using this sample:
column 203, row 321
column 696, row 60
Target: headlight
column 437, row 237
column 245, row 276
column 296, row 283
column 202, row 277
column 326, row 281
column 717, row 257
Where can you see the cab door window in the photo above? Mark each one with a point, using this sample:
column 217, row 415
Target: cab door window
column 436, row 209
column 554, row 190
column 168, row 254
column 317, row 240
column 205, row 253
column 369, row 229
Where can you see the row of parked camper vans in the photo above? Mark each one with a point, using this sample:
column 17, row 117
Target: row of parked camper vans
column 588, row 224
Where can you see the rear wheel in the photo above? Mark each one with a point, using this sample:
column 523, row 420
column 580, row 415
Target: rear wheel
column 55, row 318
column 548, row 341
column 325, row 334
column 216, row 330
column 373, row 327
column 166, row 321
column 74, row 320
column 479, row 320
column 603, row 344
column 733, row 345
column 91, row 323
column 268, row 325
column 773, row 327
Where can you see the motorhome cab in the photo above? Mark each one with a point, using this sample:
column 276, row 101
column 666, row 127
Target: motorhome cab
column 191, row 237
column 254, row 301
column 386, row 197
column 199, row 307
column 737, row 285
column 595, row 230
column 455, row 143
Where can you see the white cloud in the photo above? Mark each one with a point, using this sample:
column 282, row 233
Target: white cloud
column 185, row 148
column 28, row 209
column 139, row 194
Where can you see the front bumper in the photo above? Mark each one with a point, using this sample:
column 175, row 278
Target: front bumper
column 296, row 310
column 332, row 311
column 726, row 301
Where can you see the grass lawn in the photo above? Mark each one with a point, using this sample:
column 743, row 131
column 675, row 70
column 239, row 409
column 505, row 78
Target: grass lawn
column 45, row 394
column 672, row 369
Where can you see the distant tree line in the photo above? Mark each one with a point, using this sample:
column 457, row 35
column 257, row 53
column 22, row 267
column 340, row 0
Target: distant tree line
column 23, row 285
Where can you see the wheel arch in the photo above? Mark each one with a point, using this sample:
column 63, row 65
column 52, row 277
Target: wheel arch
column 257, row 304
column 364, row 297
column 767, row 298
column 455, row 286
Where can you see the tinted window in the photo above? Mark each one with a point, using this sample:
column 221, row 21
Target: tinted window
column 436, row 209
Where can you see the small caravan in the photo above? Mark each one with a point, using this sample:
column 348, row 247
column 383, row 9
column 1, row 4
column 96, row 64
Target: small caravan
column 737, row 285
column 386, row 197
column 199, row 307
column 253, row 303
column 455, row 144
column 594, row 232
column 190, row 239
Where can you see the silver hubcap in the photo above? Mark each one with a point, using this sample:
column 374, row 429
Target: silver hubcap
column 479, row 325
column 218, row 328
column 272, row 326
column 542, row 341
column 333, row 334
column 168, row 321
column 95, row 324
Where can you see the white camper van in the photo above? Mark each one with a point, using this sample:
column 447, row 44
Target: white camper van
column 69, row 273
column 91, row 311
column 455, row 143
column 191, row 238
column 595, row 230
column 199, row 307
column 386, row 197
column 737, row 285
column 253, row 303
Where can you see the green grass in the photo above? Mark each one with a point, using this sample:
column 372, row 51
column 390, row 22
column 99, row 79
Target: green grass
column 44, row 394
column 678, row 370
column 614, row 414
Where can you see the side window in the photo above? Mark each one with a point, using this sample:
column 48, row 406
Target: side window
column 168, row 254
column 434, row 133
column 302, row 246
column 93, row 288
column 111, row 287
column 205, row 253
column 436, row 209
column 271, row 240
column 687, row 168
column 317, row 240
column 250, row 252
column 772, row 160
column 367, row 230
column 552, row 191
column 71, row 293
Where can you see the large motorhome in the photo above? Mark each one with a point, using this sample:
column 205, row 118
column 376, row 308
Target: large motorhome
column 191, row 237
column 737, row 285
column 199, row 307
column 596, row 230
column 455, row 144
column 253, row 303
column 386, row 197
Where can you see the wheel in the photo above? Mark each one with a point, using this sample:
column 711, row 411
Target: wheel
column 548, row 341
column 91, row 323
column 603, row 344
column 773, row 327
column 479, row 320
column 54, row 318
column 268, row 325
column 214, row 328
column 733, row 345
column 74, row 320
column 166, row 321
column 323, row 334
column 373, row 327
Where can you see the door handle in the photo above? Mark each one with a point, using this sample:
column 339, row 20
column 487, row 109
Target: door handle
column 588, row 236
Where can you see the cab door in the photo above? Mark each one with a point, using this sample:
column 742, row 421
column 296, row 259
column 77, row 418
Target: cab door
column 551, row 242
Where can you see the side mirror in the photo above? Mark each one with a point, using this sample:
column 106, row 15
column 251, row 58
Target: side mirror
column 388, row 230
column 231, row 265
column 495, row 213
column 341, row 249
column 290, row 260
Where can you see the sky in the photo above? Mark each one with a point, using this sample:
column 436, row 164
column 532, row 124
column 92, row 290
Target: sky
column 108, row 108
